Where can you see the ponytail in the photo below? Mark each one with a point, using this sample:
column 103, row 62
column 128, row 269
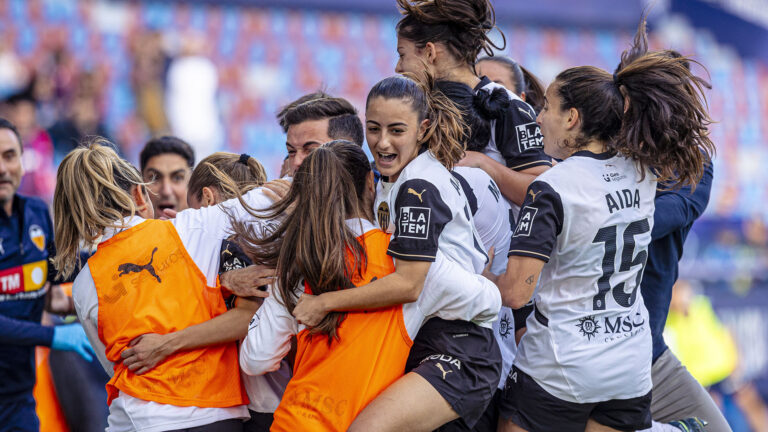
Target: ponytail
column 246, row 173
column 93, row 192
column 446, row 132
column 462, row 25
column 313, row 244
column 665, row 121
column 652, row 110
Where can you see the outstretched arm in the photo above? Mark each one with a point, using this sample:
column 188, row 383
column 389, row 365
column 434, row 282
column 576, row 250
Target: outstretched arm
column 146, row 351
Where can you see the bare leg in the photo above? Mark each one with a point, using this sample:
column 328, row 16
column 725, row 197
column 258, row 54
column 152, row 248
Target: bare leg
column 410, row 403
column 506, row 425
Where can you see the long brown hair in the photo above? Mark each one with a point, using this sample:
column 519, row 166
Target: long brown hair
column 446, row 133
column 246, row 171
column 92, row 193
column 462, row 25
column 652, row 110
column 313, row 243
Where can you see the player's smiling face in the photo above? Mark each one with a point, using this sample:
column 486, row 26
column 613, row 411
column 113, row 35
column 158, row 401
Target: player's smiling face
column 557, row 125
column 392, row 129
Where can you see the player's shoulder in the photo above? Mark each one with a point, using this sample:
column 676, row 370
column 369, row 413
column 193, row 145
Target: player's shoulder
column 424, row 170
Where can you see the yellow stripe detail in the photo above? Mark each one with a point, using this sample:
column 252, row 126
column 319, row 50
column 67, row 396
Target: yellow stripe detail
column 529, row 252
column 540, row 162
column 408, row 255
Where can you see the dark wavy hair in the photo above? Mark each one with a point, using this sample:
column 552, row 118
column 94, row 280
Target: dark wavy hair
column 651, row 110
column 462, row 25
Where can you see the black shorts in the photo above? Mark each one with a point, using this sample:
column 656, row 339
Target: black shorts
column 529, row 406
column 462, row 361
column 489, row 422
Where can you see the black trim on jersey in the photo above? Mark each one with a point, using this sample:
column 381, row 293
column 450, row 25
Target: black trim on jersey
column 420, row 215
column 468, row 192
column 539, row 223
column 521, row 315
column 540, row 316
column 598, row 156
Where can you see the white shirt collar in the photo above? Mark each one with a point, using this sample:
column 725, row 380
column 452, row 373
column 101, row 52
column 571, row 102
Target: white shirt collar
column 123, row 224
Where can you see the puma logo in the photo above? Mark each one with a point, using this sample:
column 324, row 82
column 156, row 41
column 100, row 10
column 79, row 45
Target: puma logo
column 526, row 113
column 413, row 192
column 126, row 268
column 445, row 372
column 533, row 194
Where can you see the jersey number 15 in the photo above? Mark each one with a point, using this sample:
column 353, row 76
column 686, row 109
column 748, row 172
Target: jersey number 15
column 607, row 235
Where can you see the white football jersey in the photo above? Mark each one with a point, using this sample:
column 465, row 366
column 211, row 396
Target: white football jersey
column 430, row 212
column 494, row 219
column 590, row 218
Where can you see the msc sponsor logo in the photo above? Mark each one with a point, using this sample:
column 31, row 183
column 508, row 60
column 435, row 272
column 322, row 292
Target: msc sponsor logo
column 529, row 136
column 611, row 328
column 588, row 327
column 413, row 222
column 623, row 326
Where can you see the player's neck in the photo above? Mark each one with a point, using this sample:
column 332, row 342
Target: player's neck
column 595, row 147
column 463, row 74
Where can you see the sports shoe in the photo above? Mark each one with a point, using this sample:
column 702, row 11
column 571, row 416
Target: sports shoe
column 691, row 424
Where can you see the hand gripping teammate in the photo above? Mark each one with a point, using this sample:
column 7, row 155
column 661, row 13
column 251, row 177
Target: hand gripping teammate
column 348, row 358
column 584, row 229
column 170, row 268
column 414, row 134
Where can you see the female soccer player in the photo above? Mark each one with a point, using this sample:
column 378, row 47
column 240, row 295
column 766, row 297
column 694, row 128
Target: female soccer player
column 414, row 133
column 148, row 276
column 514, row 77
column 348, row 358
column 205, row 189
column 445, row 38
column 584, row 229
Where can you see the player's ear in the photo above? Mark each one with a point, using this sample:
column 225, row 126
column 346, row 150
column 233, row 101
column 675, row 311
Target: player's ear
column 423, row 127
column 572, row 119
column 209, row 196
column 140, row 197
column 430, row 53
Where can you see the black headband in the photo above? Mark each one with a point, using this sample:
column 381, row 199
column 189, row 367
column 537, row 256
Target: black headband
column 244, row 158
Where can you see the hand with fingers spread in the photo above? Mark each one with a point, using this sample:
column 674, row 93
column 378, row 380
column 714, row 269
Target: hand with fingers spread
column 310, row 310
column 146, row 351
column 72, row 338
column 250, row 281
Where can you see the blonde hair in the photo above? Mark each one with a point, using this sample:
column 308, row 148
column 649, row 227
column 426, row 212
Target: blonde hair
column 92, row 193
column 245, row 171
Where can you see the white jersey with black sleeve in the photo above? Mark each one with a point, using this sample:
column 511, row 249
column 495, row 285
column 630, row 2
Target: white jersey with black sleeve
column 590, row 219
column 494, row 218
column 430, row 212
column 516, row 139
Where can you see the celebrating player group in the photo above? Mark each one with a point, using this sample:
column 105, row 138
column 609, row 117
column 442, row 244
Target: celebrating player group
column 493, row 269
